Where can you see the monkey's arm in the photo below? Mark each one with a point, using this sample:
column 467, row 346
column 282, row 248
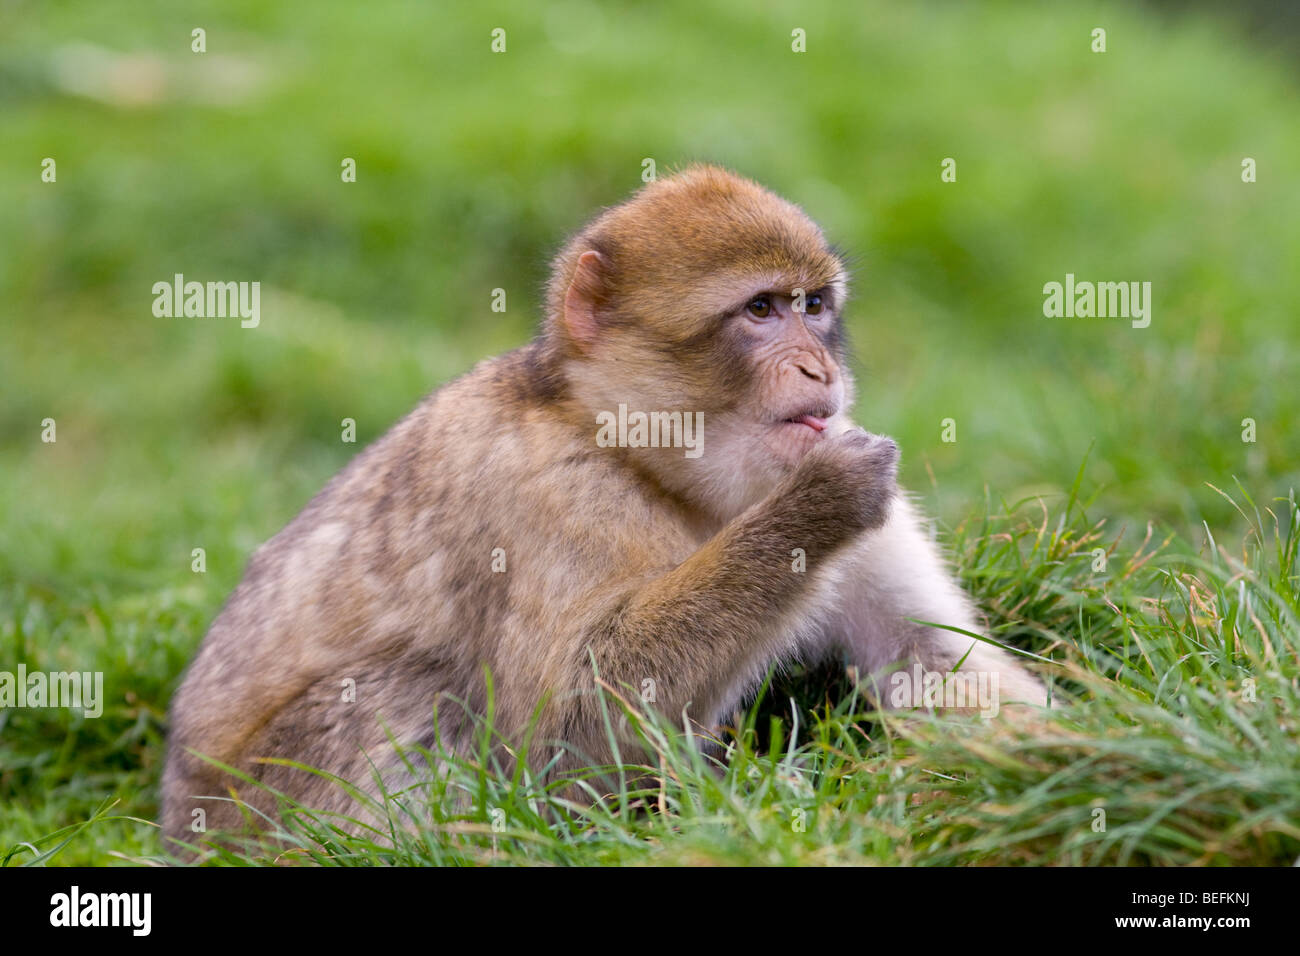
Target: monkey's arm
column 710, row 625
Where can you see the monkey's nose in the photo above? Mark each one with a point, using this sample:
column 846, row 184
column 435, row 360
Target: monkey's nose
column 814, row 371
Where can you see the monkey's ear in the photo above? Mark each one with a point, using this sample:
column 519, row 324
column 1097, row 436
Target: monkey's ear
column 586, row 289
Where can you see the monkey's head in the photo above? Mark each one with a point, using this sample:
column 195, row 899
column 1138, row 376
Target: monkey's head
column 703, row 293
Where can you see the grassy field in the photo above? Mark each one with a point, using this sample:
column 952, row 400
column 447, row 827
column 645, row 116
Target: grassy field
column 1183, row 654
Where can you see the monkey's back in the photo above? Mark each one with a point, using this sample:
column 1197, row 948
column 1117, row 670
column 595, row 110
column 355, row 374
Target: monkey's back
column 407, row 575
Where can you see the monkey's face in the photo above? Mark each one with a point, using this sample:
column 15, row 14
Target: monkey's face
column 706, row 295
column 753, row 363
column 789, row 345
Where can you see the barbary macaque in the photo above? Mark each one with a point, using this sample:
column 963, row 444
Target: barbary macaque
column 664, row 486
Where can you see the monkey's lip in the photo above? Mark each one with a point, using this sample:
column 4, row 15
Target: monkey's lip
column 812, row 421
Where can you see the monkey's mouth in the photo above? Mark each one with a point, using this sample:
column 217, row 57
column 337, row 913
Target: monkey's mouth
column 816, row 422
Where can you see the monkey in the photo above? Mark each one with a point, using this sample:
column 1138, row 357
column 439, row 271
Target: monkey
column 489, row 534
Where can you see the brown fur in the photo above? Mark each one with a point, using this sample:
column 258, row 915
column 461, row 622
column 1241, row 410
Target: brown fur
column 654, row 565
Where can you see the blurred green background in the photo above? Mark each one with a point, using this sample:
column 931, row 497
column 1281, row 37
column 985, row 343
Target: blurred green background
column 175, row 434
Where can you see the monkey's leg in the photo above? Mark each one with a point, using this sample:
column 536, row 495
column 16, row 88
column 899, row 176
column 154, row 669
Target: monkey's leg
column 894, row 577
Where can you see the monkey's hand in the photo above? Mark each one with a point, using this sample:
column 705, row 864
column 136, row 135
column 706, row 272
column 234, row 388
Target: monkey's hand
column 849, row 479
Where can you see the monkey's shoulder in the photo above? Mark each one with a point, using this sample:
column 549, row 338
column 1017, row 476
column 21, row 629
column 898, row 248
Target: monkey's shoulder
column 490, row 453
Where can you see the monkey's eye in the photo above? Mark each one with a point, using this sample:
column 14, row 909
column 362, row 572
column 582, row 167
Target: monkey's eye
column 760, row 307
column 814, row 305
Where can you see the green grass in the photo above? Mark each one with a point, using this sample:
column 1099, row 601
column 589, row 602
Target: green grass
column 1178, row 676
column 180, row 434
